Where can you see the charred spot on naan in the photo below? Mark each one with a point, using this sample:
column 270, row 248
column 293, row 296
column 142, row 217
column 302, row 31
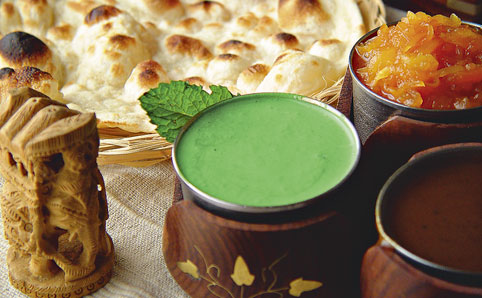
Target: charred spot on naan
column 19, row 48
column 10, row 19
column 62, row 32
column 188, row 46
column 292, row 13
column 189, row 25
column 101, row 13
column 288, row 40
column 167, row 9
column 8, row 10
column 29, row 77
column 250, row 78
column 196, row 81
column 237, row 47
column 209, row 10
column 6, row 73
column 146, row 75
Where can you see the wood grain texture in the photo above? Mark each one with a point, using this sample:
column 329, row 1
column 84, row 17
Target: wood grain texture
column 389, row 147
column 385, row 275
column 396, row 140
column 202, row 252
column 386, row 149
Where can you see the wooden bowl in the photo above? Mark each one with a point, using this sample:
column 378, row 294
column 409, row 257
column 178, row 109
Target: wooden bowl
column 385, row 274
column 212, row 256
column 428, row 232
column 216, row 249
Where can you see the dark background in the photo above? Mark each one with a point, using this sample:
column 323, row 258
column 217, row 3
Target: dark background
column 445, row 7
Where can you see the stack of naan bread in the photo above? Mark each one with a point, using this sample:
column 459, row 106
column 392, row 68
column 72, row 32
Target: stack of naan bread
column 101, row 56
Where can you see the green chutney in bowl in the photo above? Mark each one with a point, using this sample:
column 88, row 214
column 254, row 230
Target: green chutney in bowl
column 265, row 152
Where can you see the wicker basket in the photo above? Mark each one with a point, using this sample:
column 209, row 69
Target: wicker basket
column 139, row 150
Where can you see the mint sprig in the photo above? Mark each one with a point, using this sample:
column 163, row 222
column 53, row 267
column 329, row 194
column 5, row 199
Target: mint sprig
column 171, row 105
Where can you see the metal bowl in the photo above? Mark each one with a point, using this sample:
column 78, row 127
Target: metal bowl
column 423, row 163
column 265, row 214
column 370, row 109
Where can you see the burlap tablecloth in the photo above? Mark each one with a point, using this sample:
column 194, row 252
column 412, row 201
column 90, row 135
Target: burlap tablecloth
column 138, row 200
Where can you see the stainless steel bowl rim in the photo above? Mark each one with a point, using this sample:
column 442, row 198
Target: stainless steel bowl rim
column 206, row 199
column 395, row 105
column 380, row 201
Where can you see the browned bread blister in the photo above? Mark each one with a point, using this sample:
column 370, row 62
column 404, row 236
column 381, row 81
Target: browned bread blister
column 18, row 49
column 29, row 77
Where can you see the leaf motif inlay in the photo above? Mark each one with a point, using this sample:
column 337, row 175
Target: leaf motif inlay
column 241, row 275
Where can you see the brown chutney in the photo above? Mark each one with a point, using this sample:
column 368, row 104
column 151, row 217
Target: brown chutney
column 435, row 211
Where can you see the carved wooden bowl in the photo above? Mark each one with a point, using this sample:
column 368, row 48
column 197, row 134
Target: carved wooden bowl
column 212, row 256
column 306, row 249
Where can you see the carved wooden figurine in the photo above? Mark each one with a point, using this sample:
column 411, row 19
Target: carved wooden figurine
column 53, row 203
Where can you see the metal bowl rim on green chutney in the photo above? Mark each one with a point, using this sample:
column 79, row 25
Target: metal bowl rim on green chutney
column 217, row 204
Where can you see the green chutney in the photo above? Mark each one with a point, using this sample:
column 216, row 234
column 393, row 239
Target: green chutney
column 265, row 150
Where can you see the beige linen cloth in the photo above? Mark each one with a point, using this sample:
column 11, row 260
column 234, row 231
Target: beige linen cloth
column 138, row 199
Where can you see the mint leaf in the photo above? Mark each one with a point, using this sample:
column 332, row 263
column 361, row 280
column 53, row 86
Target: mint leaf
column 171, row 105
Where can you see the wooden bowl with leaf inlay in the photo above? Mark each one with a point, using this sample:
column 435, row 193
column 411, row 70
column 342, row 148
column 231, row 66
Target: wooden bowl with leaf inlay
column 232, row 236
column 212, row 256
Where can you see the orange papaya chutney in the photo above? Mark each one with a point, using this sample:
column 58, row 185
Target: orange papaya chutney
column 424, row 62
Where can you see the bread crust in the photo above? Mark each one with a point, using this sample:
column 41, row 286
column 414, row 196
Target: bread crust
column 100, row 56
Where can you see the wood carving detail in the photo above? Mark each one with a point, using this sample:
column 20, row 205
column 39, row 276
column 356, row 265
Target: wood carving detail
column 53, row 202
column 242, row 277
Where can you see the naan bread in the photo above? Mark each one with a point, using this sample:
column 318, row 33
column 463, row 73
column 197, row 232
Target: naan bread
column 100, row 56
column 298, row 72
